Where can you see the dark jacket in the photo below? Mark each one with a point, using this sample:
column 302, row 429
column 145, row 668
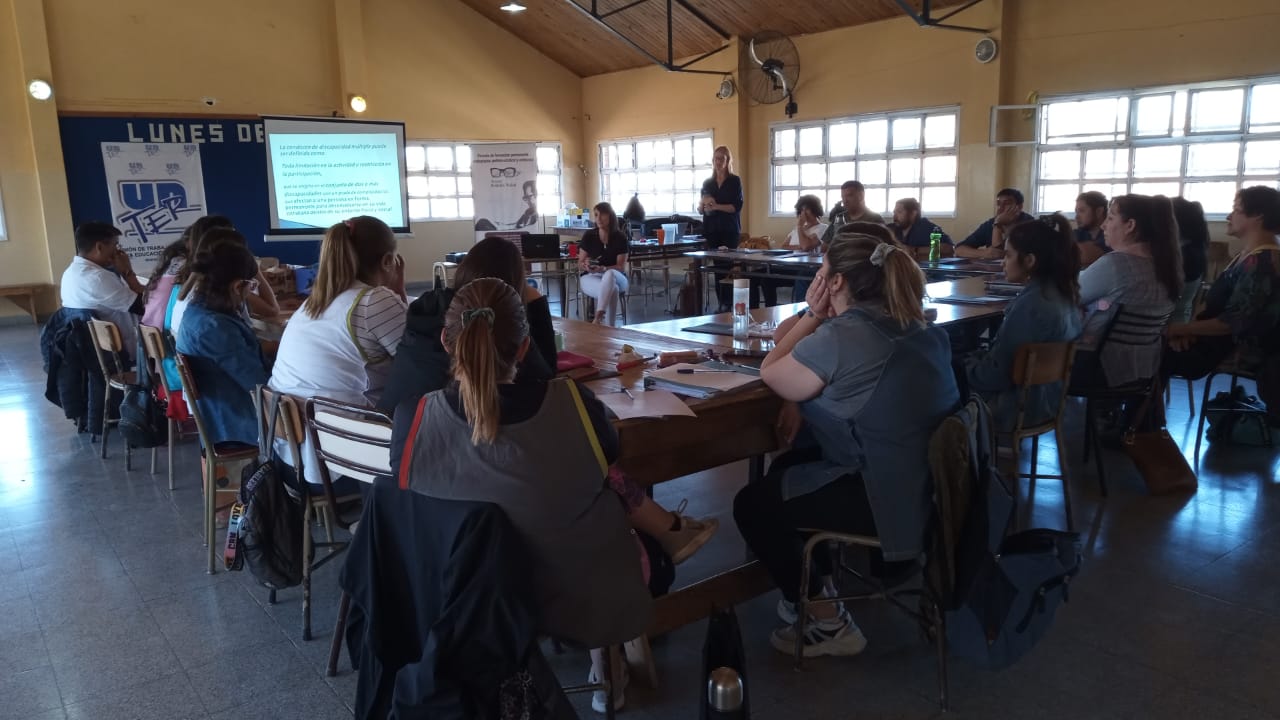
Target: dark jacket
column 981, row 237
column 73, row 376
column 421, row 364
column 441, row 625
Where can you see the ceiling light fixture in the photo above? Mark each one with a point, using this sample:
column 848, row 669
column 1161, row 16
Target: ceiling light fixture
column 40, row 89
column 358, row 103
column 514, row 7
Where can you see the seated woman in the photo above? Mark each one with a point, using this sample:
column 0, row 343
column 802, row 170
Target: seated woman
column 340, row 343
column 422, row 365
column 261, row 302
column 226, row 359
column 540, row 451
column 1142, row 274
column 873, row 380
column 1242, row 308
column 163, row 276
column 602, row 259
column 1193, row 237
column 1043, row 255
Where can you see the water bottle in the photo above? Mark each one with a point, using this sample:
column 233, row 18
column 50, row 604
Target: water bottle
column 724, row 694
column 935, row 245
column 741, row 302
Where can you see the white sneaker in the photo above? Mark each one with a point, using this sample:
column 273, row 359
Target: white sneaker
column 787, row 612
column 693, row 533
column 842, row 641
column 600, row 699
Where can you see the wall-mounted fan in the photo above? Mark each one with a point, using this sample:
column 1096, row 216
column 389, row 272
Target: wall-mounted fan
column 771, row 69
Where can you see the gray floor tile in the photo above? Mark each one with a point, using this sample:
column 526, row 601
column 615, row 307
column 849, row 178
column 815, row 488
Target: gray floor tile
column 21, row 650
column 207, row 623
column 29, row 693
column 169, row 698
column 312, row 700
column 108, row 649
column 270, row 670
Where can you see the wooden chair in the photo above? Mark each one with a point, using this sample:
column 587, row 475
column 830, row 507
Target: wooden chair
column 1037, row 365
column 1125, row 328
column 291, row 429
column 108, row 346
column 156, row 349
column 353, row 442
column 953, row 468
column 216, row 457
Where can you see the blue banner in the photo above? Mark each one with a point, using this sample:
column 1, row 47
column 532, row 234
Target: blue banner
column 233, row 159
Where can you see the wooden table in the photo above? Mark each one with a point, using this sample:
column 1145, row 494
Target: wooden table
column 727, row 429
column 949, row 315
column 27, row 291
column 765, row 265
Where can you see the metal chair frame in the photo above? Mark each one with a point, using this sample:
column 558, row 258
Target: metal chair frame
column 1028, row 372
column 108, row 346
column 156, row 348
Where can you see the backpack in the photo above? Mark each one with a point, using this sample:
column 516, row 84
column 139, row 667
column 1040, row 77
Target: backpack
column 1007, row 586
column 1237, row 419
column 142, row 418
column 265, row 527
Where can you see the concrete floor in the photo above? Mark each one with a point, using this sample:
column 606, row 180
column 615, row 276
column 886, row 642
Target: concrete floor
column 107, row 611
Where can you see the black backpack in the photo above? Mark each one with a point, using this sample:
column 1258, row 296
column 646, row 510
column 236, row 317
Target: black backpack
column 142, row 418
column 265, row 530
column 1007, row 586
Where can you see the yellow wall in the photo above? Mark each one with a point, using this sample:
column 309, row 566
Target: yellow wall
column 443, row 69
column 439, row 66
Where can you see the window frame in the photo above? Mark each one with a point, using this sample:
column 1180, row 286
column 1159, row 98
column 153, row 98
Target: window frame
column 455, row 173
column 692, row 135
column 1183, row 137
column 4, row 231
column 826, row 158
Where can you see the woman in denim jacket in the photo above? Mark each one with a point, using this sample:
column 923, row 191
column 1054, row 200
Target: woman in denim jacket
column 1042, row 254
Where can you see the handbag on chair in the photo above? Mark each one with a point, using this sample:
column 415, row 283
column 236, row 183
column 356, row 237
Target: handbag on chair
column 1157, row 457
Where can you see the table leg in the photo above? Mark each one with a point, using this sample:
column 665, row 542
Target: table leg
column 31, row 303
column 564, row 294
column 698, row 288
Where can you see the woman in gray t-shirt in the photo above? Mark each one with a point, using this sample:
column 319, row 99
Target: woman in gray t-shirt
column 873, row 380
column 1143, row 274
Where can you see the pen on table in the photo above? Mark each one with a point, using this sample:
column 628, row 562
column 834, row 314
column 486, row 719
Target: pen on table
column 690, row 371
column 628, row 392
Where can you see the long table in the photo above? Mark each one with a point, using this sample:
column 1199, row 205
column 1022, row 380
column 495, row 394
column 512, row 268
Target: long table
column 950, row 315
column 770, row 265
column 737, row 426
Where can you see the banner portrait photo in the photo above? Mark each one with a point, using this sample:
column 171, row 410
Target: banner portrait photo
column 156, row 190
column 504, row 183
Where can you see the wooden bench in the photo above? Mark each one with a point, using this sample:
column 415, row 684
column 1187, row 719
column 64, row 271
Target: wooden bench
column 27, row 291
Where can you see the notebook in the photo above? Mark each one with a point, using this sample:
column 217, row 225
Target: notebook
column 704, row 384
column 644, row 404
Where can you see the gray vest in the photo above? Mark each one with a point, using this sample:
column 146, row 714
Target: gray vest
column 550, row 477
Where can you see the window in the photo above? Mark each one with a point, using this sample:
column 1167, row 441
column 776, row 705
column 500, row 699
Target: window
column 894, row 155
column 1203, row 142
column 439, row 180
column 666, row 172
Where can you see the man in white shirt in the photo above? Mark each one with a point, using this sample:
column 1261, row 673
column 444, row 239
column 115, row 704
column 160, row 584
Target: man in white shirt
column 100, row 278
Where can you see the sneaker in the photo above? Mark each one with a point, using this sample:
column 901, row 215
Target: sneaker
column 843, row 640
column 599, row 698
column 691, row 535
column 787, row 612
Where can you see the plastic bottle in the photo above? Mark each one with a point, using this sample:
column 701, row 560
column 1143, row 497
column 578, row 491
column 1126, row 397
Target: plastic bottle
column 935, row 245
column 741, row 303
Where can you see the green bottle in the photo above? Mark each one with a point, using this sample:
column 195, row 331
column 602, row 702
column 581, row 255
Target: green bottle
column 935, row 245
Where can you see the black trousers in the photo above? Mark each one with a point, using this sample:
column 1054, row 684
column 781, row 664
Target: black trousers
column 770, row 524
column 716, row 240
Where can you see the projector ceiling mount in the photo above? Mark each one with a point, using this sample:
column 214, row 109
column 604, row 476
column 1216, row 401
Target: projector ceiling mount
column 924, row 17
column 593, row 11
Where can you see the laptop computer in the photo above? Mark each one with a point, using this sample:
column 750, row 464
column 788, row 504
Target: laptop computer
column 540, row 247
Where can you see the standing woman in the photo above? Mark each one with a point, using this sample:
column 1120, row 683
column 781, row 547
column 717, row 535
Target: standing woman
column 722, row 213
column 340, row 343
column 602, row 258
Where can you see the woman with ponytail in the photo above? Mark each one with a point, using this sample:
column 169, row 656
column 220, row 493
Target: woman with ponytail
column 226, row 358
column 340, row 343
column 1043, row 255
column 540, row 451
column 874, row 381
column 1142, row 274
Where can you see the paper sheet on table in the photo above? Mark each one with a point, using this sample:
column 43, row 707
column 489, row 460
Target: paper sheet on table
column 647, row 404
column 703, row 384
